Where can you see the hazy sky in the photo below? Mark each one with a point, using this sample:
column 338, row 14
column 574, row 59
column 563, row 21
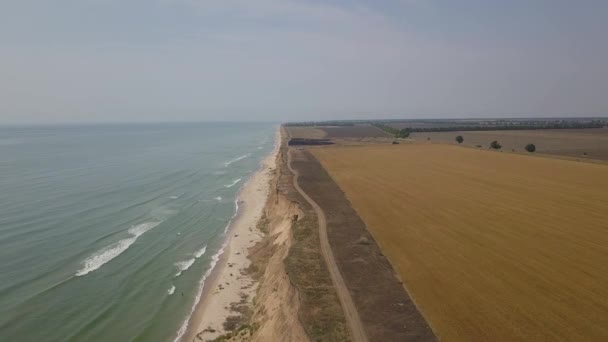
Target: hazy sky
column 157, row 60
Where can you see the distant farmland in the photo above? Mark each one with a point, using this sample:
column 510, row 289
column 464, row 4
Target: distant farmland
column 306, row 132
column 358, row 131
column 492, row 246
column 333, row 132
column 589, row 143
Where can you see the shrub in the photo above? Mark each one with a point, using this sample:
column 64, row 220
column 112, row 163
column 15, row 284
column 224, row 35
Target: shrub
column 530, row 148
column 404, row 133
column 459, row 139
column 495, row 145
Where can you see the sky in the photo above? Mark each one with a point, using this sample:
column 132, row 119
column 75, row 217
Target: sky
column 271, row 60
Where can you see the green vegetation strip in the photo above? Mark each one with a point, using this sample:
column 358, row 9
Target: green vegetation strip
column 320, row 311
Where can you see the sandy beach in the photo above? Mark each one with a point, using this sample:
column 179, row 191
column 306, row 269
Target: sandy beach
column 229, row 286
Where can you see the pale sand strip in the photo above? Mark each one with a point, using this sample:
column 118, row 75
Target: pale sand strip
column 229, row 280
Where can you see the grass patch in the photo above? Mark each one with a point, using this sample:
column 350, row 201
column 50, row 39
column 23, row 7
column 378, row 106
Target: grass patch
column 320, row 310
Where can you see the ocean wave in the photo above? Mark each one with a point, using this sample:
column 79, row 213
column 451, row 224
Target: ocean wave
column 237, row 159
column 201, row 285
column 173, row 197
column 171, row 290
column 236, row 212
column 218, row 198
column 110, row 252
column 233, row 183
column 183, row 266
column 200, row 252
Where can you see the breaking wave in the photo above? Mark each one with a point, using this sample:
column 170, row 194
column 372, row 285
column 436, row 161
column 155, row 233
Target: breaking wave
column 110, row 252
column 233, row 183
column 183, row 266
column 236, row 159
column 236, row 213
column 200, row 252
column 171, row 290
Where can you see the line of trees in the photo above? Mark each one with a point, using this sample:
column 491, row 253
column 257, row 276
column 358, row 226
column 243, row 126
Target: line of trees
column 323, row 123
column 565, row 125
column 398, row 133
column 454, row 125
column 495, row 122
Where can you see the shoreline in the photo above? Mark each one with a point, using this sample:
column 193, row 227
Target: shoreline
column 227, row 285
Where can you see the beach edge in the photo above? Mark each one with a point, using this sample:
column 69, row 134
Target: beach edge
column 212, row 311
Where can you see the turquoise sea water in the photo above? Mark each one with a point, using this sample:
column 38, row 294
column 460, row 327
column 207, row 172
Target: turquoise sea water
column 106, row 231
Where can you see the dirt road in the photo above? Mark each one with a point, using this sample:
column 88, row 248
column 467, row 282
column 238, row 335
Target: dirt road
column 348, row 306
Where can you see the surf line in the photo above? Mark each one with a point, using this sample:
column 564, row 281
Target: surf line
column 106, row 254
column 236, row 159
column 233, row 183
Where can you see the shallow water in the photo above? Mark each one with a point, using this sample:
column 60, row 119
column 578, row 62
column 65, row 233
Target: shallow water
column 106, row 231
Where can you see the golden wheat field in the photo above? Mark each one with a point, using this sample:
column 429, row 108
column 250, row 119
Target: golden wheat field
column 492, row 246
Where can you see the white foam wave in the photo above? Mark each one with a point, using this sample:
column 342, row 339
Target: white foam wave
column 173, row 197
column 218, row 198
column 236, row 212
column 183, row 266
column 236, row 159
column 171, row 290
column 200, row 252
column 110, row 252
column 233, row 183
column 201, row 285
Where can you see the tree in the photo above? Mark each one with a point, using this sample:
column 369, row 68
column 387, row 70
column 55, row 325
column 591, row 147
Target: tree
column 530, row 148
column 495, row 145
column 404, row 133
column 459, row 139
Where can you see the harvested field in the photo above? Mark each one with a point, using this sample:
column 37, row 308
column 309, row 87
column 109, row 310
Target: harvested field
column 357, row 131
column 566, row 142
column 305, row 132
column 492, row 246
column 310, row 142
column 387, row 313
column 336, row 132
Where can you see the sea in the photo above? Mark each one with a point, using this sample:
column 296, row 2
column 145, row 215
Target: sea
column 107, row 232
